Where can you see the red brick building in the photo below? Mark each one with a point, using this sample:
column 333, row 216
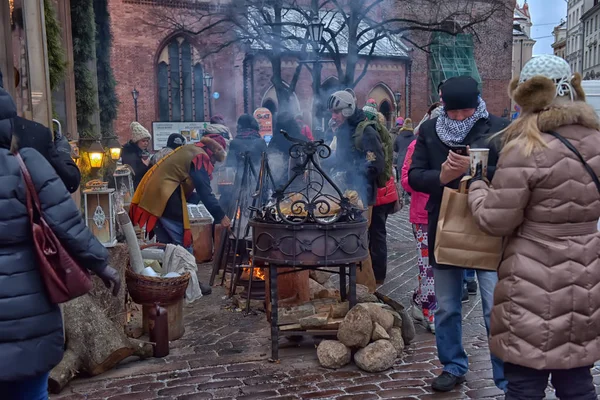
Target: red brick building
column 166, row 68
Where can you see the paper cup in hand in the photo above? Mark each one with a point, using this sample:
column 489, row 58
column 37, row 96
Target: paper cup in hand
column 479, row 156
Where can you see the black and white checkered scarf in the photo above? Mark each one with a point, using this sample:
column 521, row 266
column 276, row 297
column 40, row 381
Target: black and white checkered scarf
column 453, row 132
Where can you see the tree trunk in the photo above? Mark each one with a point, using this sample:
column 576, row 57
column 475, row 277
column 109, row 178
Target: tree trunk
column 94, row 343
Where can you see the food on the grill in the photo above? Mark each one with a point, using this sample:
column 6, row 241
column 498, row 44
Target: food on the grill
column 289, row 209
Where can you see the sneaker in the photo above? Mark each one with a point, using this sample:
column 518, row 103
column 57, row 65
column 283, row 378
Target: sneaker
column 472, row 287
column 206, row 289
column 446, row 382
column 431, row 327
column 465, row 294
column 429, row 321
column 417, row 313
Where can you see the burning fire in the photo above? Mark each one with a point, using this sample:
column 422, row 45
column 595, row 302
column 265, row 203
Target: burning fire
column 257, row 273
column 239, row 214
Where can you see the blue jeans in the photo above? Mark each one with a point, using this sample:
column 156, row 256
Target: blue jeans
column 448, row 320
column 35, row 388
column 168, row 231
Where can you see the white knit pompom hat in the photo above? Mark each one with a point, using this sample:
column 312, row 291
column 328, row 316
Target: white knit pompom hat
column 138, row 132
column 551, row 67
column 543, row 79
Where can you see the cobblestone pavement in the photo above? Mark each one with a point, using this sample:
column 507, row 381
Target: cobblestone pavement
column 224, row 355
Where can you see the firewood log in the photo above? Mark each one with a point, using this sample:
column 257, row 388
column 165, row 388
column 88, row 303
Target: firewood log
column 135, row 254
column 94, row 343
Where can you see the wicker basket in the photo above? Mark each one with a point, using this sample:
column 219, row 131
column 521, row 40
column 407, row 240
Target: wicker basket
column 151, row 290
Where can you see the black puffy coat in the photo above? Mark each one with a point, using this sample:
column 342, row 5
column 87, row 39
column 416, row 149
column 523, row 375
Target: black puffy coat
column 403, row 139
column 31, row 335
column 132, row 156
column 252, row 144
column 360, row 167
column 58, row 153
column 430, row 153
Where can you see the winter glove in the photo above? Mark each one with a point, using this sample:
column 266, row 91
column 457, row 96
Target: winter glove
column 478, row 175
column 62, row 145
column 110, row 275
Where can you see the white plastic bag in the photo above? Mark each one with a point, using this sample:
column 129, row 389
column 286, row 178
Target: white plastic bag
column 178, row 259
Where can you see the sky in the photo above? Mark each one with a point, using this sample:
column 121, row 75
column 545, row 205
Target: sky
column 545, row 15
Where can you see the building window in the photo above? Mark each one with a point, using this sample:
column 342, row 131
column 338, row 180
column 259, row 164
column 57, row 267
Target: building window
column 180, row 83
column 450, row 56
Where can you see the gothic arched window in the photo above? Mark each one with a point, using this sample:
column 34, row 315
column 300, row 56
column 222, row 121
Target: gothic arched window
column 180, row 83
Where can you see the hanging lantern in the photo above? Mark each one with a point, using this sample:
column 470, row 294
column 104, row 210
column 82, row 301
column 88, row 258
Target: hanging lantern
column 99, row 204
column 96, row 155
column 124, row 185
column 114, row 148
column 315, row 30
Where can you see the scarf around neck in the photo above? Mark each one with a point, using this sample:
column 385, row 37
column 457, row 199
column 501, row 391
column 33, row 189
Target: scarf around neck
column 248, row 133
column 452, row 132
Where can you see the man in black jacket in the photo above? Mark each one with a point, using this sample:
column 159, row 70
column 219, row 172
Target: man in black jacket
column 55, row 148
column 464, row 121
column 357, row 162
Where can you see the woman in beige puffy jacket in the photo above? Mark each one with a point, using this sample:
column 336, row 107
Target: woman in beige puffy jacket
column 546, row 315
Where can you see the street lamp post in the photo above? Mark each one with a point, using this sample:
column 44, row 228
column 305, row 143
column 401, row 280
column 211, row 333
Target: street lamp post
column 135, row 94
column 315, row 30
column 397, row 97
column 208, row 82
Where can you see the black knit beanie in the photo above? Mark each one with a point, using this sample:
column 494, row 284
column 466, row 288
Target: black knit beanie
column 175, row 140
column 246, row 122
column 460, row 93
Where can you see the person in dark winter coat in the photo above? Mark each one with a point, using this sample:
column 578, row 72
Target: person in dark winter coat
column 247, row 140
column 279, row 147
column 135, row 152
column 356, row 168
column 360, row 167
column 463, row 121
column 55, row 148
column 31, row 332
column 174, row 141
column 403, row 140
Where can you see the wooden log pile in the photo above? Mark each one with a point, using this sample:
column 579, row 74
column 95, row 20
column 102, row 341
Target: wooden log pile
column 95, row 339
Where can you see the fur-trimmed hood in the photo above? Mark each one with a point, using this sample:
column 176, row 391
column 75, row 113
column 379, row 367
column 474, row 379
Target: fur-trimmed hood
column 574, row 113
column 213, row 148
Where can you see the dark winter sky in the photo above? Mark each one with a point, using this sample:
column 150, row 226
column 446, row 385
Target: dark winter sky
column 546, row 14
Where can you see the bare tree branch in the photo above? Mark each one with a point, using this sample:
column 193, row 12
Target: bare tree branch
column 354, row 30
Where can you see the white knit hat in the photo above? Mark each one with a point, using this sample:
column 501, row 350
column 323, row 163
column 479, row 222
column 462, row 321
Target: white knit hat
column 542, row 80
column 553, row 68
column 138, row 132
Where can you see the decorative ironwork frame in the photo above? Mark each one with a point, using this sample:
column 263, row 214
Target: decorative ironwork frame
column 310, row 194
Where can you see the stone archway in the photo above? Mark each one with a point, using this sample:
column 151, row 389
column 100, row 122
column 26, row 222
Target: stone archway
column 386, row 109
column 271, row 105
column 384, row 98
column 270, row 97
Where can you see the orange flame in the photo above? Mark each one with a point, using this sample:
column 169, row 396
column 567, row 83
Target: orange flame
column 257, row 273
column 238, row 214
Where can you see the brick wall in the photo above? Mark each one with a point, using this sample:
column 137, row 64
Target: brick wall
column 137, row 43
column 493, row 55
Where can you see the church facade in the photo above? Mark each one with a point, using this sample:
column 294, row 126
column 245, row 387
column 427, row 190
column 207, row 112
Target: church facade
column 167, row 69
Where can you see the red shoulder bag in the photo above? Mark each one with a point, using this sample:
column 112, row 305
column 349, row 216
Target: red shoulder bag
column 63, row 277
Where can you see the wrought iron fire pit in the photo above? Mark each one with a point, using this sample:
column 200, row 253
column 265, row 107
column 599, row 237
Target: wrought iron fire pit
column 308, row 223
